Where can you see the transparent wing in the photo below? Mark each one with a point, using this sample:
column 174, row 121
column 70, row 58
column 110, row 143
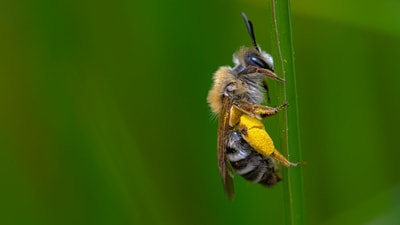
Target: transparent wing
column 223, row 128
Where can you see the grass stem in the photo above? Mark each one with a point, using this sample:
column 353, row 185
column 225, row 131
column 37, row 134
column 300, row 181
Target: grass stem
column 290, row 141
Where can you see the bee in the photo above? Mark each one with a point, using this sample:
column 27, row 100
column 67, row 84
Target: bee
column 236, row 97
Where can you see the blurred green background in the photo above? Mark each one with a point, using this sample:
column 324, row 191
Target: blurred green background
column 104, row 120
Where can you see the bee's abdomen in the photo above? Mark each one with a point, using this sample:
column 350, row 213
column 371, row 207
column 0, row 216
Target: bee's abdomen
column 250, row 164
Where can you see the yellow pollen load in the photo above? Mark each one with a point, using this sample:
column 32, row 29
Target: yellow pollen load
column 254, row 133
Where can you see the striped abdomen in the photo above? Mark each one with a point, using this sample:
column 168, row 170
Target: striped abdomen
column 250, row 164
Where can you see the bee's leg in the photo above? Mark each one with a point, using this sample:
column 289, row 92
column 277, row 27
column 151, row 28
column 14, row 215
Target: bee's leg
column 253, row 70
column 258, row 111
column 252, row 130
column 282, row 160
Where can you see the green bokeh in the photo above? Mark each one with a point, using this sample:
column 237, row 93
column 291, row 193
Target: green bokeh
column 104, row 120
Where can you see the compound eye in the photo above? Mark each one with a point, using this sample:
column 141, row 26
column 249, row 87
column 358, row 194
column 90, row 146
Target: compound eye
column 259, row 62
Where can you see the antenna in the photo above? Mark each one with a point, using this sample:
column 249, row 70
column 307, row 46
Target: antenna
column 250, row 29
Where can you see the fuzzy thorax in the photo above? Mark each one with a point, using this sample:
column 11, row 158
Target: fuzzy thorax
column 221, row 78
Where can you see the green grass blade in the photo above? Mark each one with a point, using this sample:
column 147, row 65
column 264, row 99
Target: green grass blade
column 290, row 142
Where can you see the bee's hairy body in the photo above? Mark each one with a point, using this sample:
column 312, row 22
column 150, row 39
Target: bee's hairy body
column 228, row 82
column 236, row 97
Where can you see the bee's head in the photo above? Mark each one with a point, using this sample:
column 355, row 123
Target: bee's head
column 252, row 57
